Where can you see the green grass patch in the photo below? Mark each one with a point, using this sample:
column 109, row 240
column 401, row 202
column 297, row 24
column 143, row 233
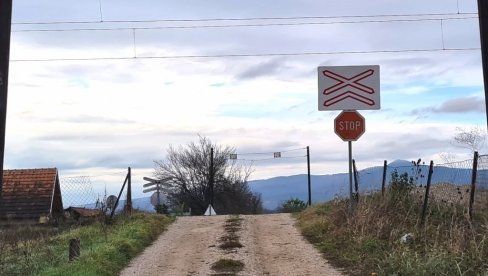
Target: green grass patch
column 104, row 249
column 227, row 266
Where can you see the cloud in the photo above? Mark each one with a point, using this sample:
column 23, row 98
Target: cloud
column 456, row 105
column 266, row 68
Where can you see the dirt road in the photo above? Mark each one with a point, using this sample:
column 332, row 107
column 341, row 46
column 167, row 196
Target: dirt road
column 271, row 246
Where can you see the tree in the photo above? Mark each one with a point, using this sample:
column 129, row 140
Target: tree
column 189, row 175
column 473, row 139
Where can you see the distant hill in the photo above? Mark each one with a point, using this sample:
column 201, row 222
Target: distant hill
column 325, row 187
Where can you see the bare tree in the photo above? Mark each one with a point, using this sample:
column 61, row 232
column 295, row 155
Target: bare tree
column 188, row 173
column 473, row 139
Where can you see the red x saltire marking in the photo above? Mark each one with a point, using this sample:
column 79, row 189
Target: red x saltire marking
column 353, row 82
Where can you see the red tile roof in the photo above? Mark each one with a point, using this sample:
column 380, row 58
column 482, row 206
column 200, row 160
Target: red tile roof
column 30, row 193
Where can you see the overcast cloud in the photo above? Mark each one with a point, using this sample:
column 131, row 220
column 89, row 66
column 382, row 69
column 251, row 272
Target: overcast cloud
column 99, row 116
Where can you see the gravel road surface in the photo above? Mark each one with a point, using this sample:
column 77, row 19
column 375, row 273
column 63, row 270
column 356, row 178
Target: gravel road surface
column 271, row 246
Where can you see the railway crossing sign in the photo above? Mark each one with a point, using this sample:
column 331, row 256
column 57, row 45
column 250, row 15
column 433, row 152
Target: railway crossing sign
column 349, row 87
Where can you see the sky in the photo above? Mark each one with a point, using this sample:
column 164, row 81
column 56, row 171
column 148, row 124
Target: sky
column 80, row 101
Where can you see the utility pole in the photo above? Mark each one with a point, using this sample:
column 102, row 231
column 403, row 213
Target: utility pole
column 211, row 182
column 309, row 180
column 5, row 28
column 483, row 18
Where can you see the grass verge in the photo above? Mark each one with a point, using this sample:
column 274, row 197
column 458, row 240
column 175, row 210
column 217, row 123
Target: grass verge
column 105, row 249
column 368, row 240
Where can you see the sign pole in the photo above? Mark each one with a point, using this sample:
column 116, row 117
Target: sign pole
column 5, row 28
column 350, row 176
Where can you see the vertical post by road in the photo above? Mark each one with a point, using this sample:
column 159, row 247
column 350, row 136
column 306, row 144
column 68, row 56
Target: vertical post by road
column 211, row 184
column 473, row 184
column 385, row 166
column 427, row 190
column 350, row 177
column 5, row 28
column 356, row 181
column 129, row 190
column 309, row 180
column 483, row 19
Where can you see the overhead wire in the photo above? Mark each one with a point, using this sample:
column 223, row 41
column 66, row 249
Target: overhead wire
column 258, row 153
column 241, row 19
column 247, row 55
column 268, row 159
column 240, row 25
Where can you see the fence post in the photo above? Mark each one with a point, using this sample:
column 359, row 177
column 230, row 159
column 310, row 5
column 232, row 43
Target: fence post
column 427, row 189
column 385, row 166
column 118, row 198
column 128, row 203
column 74, row 249
column 356, row 184
column 473, row 184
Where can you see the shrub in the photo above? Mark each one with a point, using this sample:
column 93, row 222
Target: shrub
column 161, row 209
column 293, row 205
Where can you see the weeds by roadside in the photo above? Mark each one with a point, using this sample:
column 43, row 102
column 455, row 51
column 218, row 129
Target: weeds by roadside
column 369, row 240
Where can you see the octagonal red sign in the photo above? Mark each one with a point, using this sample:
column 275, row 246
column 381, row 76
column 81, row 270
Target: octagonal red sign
column 349, row 125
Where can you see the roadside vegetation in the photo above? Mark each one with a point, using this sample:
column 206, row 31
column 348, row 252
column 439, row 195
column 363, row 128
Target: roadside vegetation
column 385, row 234
column 293, row 205
column 105, row 249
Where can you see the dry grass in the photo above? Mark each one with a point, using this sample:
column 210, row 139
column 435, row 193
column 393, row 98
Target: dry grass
column 368, row 240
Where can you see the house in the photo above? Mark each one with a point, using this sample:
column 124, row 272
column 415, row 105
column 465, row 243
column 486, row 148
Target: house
column 31, row 194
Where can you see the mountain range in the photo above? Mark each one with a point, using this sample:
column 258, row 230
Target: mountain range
column 276, row 190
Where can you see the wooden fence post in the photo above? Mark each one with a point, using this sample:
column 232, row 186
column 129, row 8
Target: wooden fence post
column 385, row 166
column 74, row 249
column 427, row 189
column 356, row 181
column 473, row 184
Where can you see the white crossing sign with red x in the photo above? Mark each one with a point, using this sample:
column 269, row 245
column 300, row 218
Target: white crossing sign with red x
column 349, row 87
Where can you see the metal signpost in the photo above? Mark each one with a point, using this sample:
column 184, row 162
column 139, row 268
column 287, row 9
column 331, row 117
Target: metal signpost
column 158, row 188
column 349, row 88
column 349, row 126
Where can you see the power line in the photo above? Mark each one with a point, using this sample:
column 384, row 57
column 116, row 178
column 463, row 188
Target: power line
column 249, row 55
column 242, row 19
column 244, row 25
column 267, row 159
column 258, row 153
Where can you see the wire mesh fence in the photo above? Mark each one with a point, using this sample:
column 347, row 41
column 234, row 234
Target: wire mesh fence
column 462, row 184
column 77, row 191
column 87, row 191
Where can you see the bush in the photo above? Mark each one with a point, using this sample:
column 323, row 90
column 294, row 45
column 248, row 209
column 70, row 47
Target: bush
column 401, row 184
column 293, row 205
column 161, row 209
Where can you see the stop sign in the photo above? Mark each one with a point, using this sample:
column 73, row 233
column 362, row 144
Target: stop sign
column 349, row 125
